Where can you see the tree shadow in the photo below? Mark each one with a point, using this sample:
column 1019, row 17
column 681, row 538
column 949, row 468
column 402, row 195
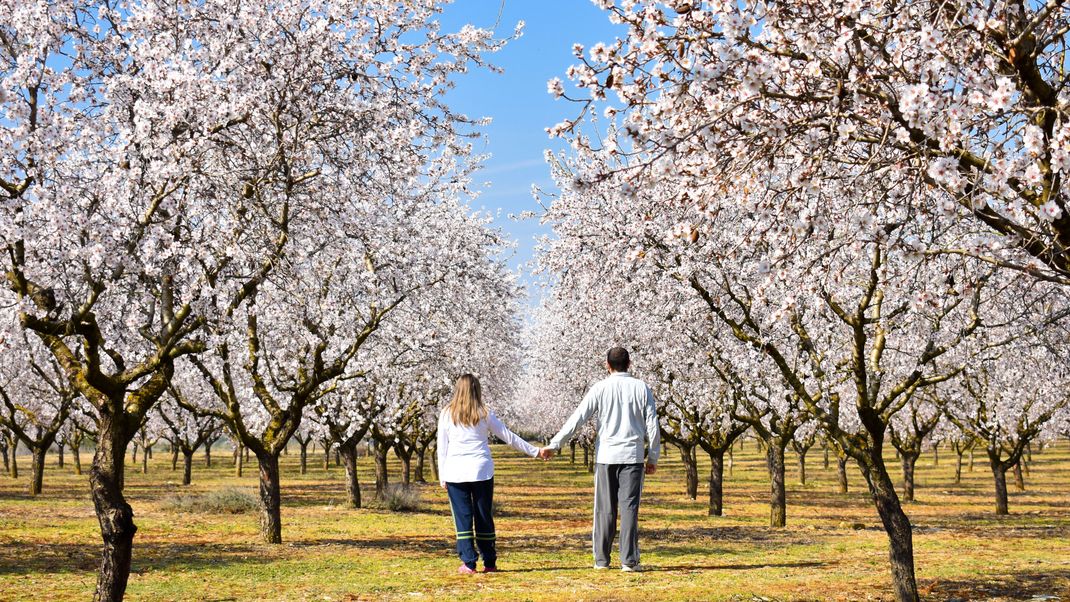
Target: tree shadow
column 27, row 557
column 1019, row 586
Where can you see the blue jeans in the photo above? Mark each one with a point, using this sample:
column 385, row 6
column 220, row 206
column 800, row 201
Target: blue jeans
column 473, row 502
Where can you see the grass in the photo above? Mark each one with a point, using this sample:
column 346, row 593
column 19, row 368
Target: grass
column 49, row 545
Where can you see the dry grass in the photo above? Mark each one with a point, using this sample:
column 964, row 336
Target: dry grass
column 49, row 545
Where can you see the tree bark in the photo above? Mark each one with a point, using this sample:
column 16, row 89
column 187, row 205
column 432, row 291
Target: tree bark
column 349, row 458
column 1019, row 482
column 13, row 445
column 326, row 455
column 187, row 466
column 174, row 457
column 896, row 525
column 958, row 468
column 76, row 456
column 240, row 460
column 208, row 453
column 145, row 453
column 841, row 474
column 304, row 457
column 37, row 469
column 826, row 453
column 418, row 470
column 999, row 473
column 778, row 507
column 802, row 467
column 970, row 468
column 116, row 517
column 382, row 479
column 4, row 452
column 571, row 452
column 687, row 456
column 59, row 454
column 910, row 460
column 936, row 455
column 716, row 483
column 270, row 502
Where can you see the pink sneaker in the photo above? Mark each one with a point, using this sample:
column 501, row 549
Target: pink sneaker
column 464, row 570
column 490, row 569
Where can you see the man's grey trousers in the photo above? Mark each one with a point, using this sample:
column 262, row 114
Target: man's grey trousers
column 617, row 486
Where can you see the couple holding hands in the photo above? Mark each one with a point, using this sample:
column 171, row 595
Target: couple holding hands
column 626, row 448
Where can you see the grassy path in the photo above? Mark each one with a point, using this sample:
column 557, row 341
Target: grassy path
column 49, row 545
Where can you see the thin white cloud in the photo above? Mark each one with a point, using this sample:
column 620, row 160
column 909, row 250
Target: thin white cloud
column 511, row 166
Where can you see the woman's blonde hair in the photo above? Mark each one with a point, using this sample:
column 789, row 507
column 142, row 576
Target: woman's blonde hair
column 466, row 406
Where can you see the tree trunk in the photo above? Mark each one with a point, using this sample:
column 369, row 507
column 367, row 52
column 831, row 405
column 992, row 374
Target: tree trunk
column 732, row 459
column 586, row 456
column 687, row 455
column 999, row 473
column 406, row 467
column 778, row 512
column 270, row 503
column 174, row 457
column 841, row 474
column 382, row 479
column 970, row 468
column 187, row 466
column 240, row 460
column 1019, row 482
column 4, row 451
column 59, row 454
column 76, row 456
column 802, row 467
column 418, row 471
column 37, row 468
column 208, row 453
column 304, row 457
column 133, row 454
column 896, row 525
column 958, row 467
column 826, row 453
column 434, row 462
column 116, row 517
column 909, row 462
column 571, row 452
column 936, row 455
column 716, row 484
column 349, row 456
column 13, row 445
column 327, row 456
column 145, row 453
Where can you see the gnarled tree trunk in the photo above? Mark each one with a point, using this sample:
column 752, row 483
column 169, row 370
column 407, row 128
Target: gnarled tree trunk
column 910, row 460
column 349, row 458
column 270, row 502
column 116, row 517
column 716, row 483
column 778, row 504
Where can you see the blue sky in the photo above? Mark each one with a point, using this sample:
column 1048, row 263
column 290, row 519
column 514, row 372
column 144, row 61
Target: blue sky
column 517, row 100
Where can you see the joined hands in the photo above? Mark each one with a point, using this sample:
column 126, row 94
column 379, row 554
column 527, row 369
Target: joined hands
column 545, row 453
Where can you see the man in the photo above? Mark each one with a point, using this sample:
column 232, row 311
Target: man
column 627, row 418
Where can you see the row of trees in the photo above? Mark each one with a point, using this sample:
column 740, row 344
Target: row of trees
column 831, row 219
column 231, row 217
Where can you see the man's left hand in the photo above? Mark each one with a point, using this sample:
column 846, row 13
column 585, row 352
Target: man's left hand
column 651, row 468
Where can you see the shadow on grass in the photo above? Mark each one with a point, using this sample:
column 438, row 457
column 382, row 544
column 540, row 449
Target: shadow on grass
column 1019, row 586
column 22, row 557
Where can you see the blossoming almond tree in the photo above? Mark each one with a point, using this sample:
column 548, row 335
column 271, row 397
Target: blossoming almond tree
column 154, row 157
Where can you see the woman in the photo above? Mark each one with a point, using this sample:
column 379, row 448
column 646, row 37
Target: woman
column 466, row 470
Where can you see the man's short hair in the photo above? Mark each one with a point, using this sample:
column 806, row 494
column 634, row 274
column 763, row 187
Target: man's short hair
column 618, row 359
